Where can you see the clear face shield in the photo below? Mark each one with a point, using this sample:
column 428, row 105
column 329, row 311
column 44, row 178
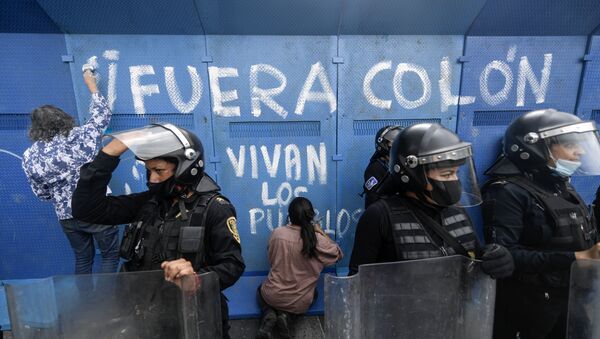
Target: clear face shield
column 451, row 178
column 152, row 141
column 387, row 137
column 574, row 149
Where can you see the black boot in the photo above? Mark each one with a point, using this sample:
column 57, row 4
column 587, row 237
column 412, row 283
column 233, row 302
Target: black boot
column 267, row 322
column 284, row 323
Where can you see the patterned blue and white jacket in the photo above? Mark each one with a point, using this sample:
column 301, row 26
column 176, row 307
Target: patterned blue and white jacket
column 52, row 168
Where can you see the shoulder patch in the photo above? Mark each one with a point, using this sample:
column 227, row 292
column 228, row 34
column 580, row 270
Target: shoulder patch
column 232, row 225
column 371, row 183
column 222, row 201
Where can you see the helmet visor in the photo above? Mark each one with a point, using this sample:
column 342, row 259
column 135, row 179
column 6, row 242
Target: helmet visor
column 150, row 141
column 390, row 135
column 579, row 149
column 462, row 170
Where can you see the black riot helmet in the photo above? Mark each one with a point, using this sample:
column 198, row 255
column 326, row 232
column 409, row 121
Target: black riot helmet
column 529, row 140
column 421, row 148
column 384, row 137
column 167, row 141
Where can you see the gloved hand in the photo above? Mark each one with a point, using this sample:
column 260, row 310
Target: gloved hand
column 497, row 262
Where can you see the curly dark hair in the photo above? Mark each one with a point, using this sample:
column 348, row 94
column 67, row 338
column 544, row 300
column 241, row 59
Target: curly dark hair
column 48, row 121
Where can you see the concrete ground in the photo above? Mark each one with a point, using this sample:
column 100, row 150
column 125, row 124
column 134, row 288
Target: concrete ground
column 306, row 327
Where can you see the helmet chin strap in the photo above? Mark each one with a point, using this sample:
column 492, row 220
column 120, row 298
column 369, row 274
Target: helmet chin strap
column 424, row 198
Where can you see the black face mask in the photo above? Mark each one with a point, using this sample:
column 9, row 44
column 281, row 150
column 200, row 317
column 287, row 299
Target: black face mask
column 445, row 193
column 163, row 190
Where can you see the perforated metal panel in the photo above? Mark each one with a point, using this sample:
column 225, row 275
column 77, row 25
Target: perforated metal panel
column 362, row 112
column 25, row 16
column 483, row 122
column 32, row 73
column 149, row 79
column 124, row 17
column 536, row 17
column 421, row 17
column 266, row 158
column 32, row 243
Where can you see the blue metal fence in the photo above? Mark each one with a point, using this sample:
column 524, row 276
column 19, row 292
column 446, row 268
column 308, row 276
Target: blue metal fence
column 286, row 96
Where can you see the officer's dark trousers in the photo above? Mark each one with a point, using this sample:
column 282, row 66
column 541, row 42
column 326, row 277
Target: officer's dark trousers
column 533, row 311
column 225, row 316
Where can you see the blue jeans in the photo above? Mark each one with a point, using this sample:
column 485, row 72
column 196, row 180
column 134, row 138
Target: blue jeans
column 81, row 235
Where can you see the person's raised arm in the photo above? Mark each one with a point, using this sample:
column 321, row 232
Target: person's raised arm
column 90, row 202
column 115, row 148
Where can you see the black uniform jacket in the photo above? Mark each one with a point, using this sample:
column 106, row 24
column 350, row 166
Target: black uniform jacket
column 374, row 241
column 514, row 219
column 90, row 203
column 373, row 176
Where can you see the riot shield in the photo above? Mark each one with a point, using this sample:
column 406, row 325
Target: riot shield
column 120, row 305
column 584, row 300
column 448, row 297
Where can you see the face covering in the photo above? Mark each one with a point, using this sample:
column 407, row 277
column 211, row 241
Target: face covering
column 163, row 190
column 566, row 168
column 445, row 193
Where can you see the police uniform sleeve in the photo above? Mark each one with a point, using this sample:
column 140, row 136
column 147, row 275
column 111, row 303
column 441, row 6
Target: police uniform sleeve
column 596, row 211
column 90, row 202
column 374, row 174
column 368, row 238
column 511, row 215
column 224, row 251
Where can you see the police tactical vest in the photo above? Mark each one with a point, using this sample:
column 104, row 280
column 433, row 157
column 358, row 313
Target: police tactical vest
column 174, row 237
column 413, row 240
column 574, row 227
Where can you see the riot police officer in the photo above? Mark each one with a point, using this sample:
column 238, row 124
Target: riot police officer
column 433, row 172
column 376, row 171
column 531, row 208
column 182, row 224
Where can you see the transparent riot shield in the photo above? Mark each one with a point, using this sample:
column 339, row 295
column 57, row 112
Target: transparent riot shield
column 447, row 297
column 584, row 300
column 120, row 305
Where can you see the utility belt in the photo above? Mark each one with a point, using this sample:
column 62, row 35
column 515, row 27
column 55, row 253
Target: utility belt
column 146, row 245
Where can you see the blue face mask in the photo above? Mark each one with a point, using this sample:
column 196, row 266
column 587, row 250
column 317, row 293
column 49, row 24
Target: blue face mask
column 566, row 168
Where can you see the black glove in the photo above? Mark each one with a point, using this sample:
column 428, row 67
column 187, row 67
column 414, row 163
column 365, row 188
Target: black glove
column 497, row 262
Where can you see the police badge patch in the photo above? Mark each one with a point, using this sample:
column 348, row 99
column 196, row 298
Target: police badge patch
column 232, row 225
column 371, row 183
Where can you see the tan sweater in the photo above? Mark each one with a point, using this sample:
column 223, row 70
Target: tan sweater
column 292, row 279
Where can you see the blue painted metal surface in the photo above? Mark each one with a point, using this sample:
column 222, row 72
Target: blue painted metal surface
column 270, row 17
column 253, row 47
column 162, row 89
column 32, row 243
column 25, row 16
column 264, row 157
column 415, row 17
column 32, row 72
column 484, row 121
column 537, row 17
column 363, row 111
column 124, row 17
